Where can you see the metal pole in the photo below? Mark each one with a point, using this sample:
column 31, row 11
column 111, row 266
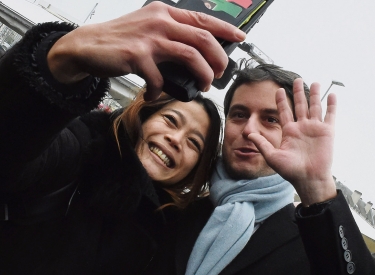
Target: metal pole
column 334, row 82
column 91, row 13
column 326, row 92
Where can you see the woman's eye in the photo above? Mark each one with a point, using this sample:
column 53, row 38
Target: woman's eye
column 196, row 144
column 171, row 119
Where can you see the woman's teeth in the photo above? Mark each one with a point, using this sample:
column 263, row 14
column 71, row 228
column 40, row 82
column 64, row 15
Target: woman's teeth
column 161, row 155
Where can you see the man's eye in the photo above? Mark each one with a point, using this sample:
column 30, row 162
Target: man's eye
column 237, row 115
column 272, row 120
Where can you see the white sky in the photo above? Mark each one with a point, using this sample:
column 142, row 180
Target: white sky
column 320, row 40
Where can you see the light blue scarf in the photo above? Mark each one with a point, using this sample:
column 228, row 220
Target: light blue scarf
column 239, row 205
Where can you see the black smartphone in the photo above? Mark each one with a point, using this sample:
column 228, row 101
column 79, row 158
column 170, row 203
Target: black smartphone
column 178, row 81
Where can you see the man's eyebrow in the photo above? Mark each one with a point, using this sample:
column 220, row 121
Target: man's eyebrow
column 270, row 111
column 238, row 107
column 184, row 121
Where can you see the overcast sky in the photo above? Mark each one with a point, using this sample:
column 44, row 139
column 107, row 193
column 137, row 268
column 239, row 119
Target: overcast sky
column 320, row 40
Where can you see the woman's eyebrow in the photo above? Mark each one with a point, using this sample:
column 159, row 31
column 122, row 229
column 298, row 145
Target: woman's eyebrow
column 183, row 120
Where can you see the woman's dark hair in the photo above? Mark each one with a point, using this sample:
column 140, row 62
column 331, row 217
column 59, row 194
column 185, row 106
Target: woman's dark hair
column 195, row 184
column 247, row 75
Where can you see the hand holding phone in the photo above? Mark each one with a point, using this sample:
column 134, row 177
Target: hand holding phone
column 244, row 14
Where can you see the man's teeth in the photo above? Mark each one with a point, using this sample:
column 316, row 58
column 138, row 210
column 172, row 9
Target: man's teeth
column 161, row 155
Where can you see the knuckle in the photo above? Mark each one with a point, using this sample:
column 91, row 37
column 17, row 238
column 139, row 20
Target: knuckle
column 158, row 21
column 205, row 37
column 157, row 9
column 188, row 53
column 201, row 18
column 140, row 50
column 155, row 5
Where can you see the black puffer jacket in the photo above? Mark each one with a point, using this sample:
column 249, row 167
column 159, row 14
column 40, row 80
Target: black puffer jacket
column 101, row 217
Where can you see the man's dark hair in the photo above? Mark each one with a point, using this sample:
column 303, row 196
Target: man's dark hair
column 246, row 75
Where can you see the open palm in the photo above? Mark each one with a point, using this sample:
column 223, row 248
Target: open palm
column 305, row 155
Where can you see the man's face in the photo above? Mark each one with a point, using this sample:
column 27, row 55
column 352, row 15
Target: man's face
column 252, row 110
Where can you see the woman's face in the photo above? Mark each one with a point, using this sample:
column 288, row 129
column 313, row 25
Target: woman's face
column 173, row 139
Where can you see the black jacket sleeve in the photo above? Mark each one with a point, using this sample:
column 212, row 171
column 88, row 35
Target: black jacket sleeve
column 333, row 241
column 35, row 109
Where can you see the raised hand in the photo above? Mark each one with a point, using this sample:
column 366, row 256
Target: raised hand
column 305, row 155
column 137, row 42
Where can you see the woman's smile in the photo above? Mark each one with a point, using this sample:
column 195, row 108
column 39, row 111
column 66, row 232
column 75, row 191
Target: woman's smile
column 159, row 153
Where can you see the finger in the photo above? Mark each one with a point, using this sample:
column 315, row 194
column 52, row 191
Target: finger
column 217, row 27
column 330, row 116
column 315, row 104
column 263, row 145
column 154, row 80
column 205, row 43
column 191, row 59
column 300, row 102
column 283, row 107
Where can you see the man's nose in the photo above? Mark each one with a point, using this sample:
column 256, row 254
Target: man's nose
column 251, row 126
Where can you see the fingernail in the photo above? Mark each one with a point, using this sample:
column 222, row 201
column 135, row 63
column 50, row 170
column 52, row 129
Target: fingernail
column 219, row 75
column 240, row 34
column 207, row 89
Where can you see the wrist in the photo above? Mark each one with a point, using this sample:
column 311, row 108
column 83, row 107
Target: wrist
column 62, row 64
column 314, row 209
column 317, row 192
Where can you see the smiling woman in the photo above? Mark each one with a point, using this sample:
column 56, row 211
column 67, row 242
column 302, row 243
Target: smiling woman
column 176, row 142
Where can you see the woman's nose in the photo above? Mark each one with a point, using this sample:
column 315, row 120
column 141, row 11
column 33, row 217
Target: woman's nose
column 174, row 139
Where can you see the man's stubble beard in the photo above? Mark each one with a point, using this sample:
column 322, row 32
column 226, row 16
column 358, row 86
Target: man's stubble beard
column 241, row 174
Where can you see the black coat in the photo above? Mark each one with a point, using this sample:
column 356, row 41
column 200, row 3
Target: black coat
column 285, row 243
column 105, row 221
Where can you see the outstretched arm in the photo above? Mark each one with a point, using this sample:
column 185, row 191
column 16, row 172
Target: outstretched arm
column 306, row 152
column 36, row 107
column 137, row 42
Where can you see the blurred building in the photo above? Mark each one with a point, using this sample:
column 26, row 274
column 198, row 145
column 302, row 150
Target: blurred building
column 17, row 16
column 359, row 209
column 8, row 37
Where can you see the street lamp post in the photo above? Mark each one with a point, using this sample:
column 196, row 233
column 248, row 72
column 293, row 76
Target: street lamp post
column 338, row 83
